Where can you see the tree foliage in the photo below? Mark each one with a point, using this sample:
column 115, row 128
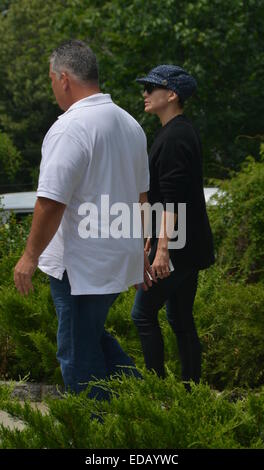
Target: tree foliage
column 220, row 42
column 27, row 108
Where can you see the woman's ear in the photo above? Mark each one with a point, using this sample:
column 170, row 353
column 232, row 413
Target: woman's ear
column 173, row 97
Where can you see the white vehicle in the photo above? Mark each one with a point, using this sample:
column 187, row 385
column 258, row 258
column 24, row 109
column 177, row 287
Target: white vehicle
column 24, row 202
column 20, row 203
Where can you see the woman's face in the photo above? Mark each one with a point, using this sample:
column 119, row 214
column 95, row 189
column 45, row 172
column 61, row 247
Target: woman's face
column 156, row 101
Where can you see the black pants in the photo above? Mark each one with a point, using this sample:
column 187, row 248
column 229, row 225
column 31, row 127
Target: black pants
column 178, row 293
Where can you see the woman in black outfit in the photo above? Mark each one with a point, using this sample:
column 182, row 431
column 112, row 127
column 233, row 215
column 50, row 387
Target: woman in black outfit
column 175, row 177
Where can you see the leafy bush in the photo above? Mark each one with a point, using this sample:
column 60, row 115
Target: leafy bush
column 238, row 222
column 151, row 413
column 13, row 236
column 229, row 316
column 28, row 325
column 10, row 160
column 230, row 319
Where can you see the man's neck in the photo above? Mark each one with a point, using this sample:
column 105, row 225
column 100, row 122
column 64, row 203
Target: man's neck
column 81, row 94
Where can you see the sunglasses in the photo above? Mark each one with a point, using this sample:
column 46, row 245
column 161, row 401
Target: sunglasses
column 150, row 87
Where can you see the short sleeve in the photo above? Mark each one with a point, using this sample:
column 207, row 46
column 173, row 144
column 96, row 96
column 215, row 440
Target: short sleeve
column 63, row 162
column 174, row 172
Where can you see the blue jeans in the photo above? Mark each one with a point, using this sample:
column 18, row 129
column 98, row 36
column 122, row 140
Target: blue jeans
column 178, row 292
column 86, row 351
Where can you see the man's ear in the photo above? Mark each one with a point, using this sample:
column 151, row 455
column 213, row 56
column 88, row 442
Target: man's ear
column 64, row 81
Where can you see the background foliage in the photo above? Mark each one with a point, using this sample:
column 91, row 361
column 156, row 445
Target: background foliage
column 220, row 42
column 10, row 160
column 238, row 221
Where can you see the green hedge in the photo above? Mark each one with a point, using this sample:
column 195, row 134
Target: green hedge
column 28, row 329
column 10, row 160
column 229, row 316
column 238, row 222
column 230, row 320
column 151, row 413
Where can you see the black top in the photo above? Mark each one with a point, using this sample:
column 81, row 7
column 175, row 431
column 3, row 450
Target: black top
column 176, row 176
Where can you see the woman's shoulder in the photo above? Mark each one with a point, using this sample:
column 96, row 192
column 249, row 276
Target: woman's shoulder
column 181, row 128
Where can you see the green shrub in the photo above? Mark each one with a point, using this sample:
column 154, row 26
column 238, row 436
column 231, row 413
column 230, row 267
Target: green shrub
column 145, row 414
column 230, row 320
column 13, row 236
column 28, row 325
column 229, row 317
column 10, row 160
column 238, row 222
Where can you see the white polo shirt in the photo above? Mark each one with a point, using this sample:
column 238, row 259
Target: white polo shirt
column 95, row 148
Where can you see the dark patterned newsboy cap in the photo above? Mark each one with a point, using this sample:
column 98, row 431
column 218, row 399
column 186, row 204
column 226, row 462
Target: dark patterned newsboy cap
column 173, row 78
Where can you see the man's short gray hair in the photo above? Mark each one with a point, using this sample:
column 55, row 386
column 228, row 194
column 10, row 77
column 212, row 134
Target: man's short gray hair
column 76, row 58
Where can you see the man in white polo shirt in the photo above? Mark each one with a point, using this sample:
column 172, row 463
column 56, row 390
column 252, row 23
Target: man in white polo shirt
column 95, row 154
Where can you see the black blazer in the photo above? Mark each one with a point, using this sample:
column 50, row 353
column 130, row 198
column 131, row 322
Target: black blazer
column 176, row 176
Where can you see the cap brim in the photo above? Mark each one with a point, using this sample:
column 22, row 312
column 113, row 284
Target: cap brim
column 148, row 80
column 142, row 80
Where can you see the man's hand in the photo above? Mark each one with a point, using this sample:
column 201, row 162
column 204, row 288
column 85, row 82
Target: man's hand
column 147, row 247
column 23, row 273
column 160, row 266
column 46, row 220
column 149, row 275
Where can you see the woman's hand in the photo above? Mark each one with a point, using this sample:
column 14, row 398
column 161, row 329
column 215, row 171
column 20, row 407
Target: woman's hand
column 160, row 265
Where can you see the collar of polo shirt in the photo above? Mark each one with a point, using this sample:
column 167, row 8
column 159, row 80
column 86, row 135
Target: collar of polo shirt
column 93, row 100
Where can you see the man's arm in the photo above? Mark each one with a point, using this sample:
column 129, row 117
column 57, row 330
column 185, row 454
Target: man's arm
column 46, row 220
column 143, row 198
